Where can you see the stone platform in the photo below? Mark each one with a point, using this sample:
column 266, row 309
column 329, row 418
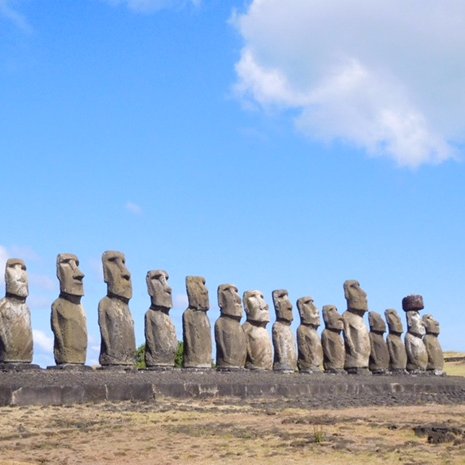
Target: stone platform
column 55, row 387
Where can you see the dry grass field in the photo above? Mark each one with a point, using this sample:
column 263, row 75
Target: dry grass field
column 231, row 432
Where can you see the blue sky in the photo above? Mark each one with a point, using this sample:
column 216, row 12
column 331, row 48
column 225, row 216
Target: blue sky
column 271, row 147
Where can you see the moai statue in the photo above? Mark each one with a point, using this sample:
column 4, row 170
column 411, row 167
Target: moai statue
column 379, row 353
column 15, row 319
column 433, row 347
column 196, row 325
column 259, row 347
column 161, row 343
column 118, row 345
column 356, row 338
column 395, row 344
column 231, row 346
column 309, row 348
column 417, row 356
column 284, row 345
column 331, row 341
column 68, row 320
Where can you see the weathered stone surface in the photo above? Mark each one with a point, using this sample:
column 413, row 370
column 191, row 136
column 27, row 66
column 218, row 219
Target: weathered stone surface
column 417, row 357
column 231, row 345
column 68, row 319
column 259, row 346
column 309, row 348
column 161, row 343
column 15, row 317
column 285, row 353
column 331, row 340
column 433, row 347
column 196, row 325
column 356, row 337
column 395, row 344
column 379, row 353
column 412, row 303
column 118, row 344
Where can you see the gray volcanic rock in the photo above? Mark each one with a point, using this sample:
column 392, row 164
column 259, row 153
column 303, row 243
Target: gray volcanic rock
column 285, row 354
column 15, row 317
column 68, row 319
column 309, row 348
column 417, row 356
column 356, row 337
column 196, row 325
column 379, row 353
column 161, row 343
column 118, row 343
column 331, row 340
column 231, row 345
column 395, row 344
column 259, row 346
column 433, row 347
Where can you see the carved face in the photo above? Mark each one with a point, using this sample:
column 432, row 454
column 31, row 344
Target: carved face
column 69, row 274
column 159, row 289
column 197, row 293
column 229, row 300
column 355, row 296
column 376, row 322
column 394, row 322
column 116, row 275
column 255, row 306
column 309, row 314
column 431, row 325
column 16, row 278
column 332, row 318
column 282, row 305
column 415, row 324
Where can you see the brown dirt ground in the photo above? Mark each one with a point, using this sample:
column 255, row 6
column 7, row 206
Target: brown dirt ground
column 214, row 432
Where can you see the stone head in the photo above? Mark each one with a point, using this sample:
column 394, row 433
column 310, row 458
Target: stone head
column 355, row 296
column 412, row 303
column 332, row 318
column 431, row 325
column 309, row 314
column 229, row 300
column 415, row 324
column 255, row 306
column 16, row 282
column 376, row 322
column 116, row 275
column 197, row 293
column 282, row 305
column 69, row 274
column 394, row 322
column 159, row 289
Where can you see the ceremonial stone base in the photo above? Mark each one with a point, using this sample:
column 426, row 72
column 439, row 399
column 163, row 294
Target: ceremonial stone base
column 70, row 367
column 19, row 367
column 118, row 368
column 60, row 387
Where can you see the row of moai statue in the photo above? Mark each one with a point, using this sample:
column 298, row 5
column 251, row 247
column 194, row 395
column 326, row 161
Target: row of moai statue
column 239, row 346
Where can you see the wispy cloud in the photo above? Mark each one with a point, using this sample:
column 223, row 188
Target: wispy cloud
column 133, row 208
column 43, row 282
column 11, row 14
column 42, row 341
column 180, row 301
column 150, row 6
column 385, row 76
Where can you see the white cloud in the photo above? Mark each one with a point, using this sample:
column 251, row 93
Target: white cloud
column 150, row 6
column 386, row 76
column 133, row 208
column 180, row 301
column 8, row 12
column 43, row 341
